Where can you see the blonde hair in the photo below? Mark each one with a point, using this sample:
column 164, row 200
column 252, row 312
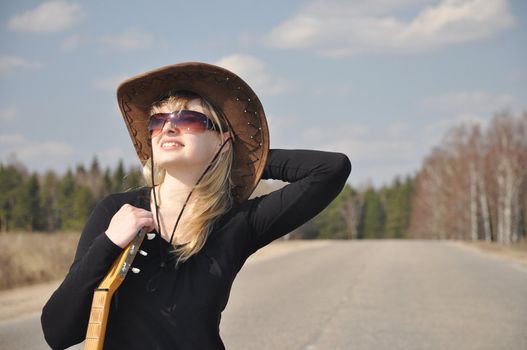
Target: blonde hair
column 212, row 196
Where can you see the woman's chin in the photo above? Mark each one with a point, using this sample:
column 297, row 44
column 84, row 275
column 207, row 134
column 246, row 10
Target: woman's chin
column 170, row 162
column 176, row 162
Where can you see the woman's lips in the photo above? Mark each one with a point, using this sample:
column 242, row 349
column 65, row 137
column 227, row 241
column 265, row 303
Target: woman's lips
column 171, row 144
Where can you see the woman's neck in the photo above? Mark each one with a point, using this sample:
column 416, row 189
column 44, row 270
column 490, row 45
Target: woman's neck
column 179, row 182
column 171, row 196
column 174, row 190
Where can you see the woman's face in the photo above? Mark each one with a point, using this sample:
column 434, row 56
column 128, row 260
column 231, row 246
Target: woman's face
column 174, row 148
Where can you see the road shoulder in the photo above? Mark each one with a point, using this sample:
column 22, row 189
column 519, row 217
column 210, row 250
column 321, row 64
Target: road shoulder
column 27, row 301
column 516, row 254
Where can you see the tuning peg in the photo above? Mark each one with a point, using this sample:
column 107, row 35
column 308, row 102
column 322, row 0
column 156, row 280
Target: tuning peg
column 142, row 252
column 150, row 236
column 135, row 270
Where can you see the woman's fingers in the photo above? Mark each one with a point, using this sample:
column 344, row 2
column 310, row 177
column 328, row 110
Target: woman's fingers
column 126, row 222
column 144, row 218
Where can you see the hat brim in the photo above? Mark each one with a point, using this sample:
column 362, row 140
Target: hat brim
column 226, row 91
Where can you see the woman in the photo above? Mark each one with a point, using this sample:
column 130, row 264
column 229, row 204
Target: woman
column 204, row 147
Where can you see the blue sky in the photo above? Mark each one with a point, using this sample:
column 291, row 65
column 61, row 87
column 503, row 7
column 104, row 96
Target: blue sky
column 378, row 80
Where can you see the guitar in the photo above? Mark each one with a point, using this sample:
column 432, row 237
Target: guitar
column 103, row 294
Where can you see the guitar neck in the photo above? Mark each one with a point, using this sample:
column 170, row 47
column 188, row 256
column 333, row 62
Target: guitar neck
column 98, row 319
column 103, row 295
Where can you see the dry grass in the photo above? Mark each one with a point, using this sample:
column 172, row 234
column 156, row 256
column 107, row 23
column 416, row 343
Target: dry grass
column 516, row 252
column 29, row 258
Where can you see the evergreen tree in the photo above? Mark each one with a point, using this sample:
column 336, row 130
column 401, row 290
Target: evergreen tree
column 334, row 221
column 134, row 179
column 35, row 206
column 81, row 174
column 21, row 219
column 372, row 222
column 107, row 182
column 26, row 210
column 407, row 193
column 395, row 210
column 118, row 177
column 95, row 169
column 83, row 202
column 11, row 179
column 48, row 198
column 329, row 223
column 66, row 191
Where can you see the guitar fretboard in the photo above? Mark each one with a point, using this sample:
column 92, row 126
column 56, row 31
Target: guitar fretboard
column 98, row 318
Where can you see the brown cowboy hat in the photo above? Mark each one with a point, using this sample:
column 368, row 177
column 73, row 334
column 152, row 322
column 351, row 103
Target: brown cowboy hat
column 226, row 91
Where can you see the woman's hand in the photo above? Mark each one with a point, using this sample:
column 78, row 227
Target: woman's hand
column 127, row 222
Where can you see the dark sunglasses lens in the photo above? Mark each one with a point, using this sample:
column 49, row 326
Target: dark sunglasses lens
column 194, row 122
column 183, row 120
column 156, row 123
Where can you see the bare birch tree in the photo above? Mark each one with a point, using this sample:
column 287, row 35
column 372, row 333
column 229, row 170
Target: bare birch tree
column 474, row 186
column 506, row 161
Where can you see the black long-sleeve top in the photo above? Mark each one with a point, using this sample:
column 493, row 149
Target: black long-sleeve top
column 179, row 306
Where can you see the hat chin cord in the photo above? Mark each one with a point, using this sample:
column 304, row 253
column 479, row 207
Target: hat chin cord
column 188, row 197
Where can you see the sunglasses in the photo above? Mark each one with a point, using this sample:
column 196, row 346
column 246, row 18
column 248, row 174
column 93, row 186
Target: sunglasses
column 184, row 120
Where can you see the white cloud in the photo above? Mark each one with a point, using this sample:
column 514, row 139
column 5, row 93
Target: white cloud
column 463, row 108
column 11, row 139
column 46, row 149
column 346, row 28
column 376, row 154
column 51, row 16
column 29, row 150
column 255, row 73
column 129, row 40
column 366, row 143
column 9, row 64
column 8, row 113
column 109, row 157
column 110, row 83
column 469, row 102
column 441, row 125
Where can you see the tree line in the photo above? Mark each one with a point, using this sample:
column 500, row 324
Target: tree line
column 52, row 202
column 365, row 213
column 473, row 186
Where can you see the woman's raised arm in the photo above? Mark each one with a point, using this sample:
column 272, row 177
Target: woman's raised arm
column 315, row 179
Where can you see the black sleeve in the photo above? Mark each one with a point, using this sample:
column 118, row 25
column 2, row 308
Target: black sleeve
column 65, row 316
column 315, row 177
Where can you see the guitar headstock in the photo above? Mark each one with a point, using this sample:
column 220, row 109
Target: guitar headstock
column 123, row 263
column 131, row 251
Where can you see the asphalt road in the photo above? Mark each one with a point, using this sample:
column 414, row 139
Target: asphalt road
column 362, row 295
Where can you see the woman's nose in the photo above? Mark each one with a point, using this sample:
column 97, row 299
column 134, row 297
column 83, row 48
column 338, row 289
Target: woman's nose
column 170, row 128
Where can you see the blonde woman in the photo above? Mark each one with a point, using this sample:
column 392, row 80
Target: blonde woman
column 202, row 137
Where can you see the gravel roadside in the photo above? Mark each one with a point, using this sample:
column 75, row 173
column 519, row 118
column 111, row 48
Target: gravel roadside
column 26, row 301
column 516, row 254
